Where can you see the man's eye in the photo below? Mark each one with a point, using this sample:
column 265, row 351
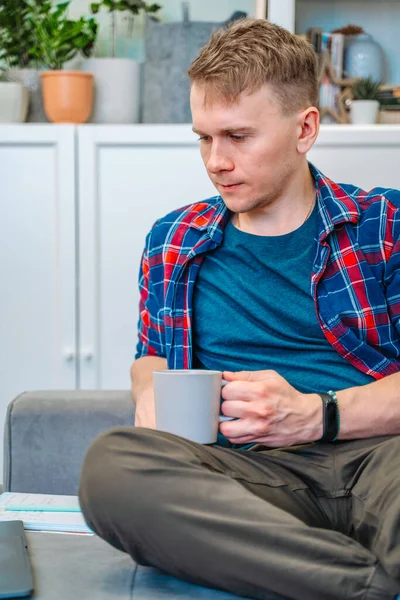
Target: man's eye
column 204, row 138
column 238, row 138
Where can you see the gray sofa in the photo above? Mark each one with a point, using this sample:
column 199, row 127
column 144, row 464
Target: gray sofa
column 46, row 436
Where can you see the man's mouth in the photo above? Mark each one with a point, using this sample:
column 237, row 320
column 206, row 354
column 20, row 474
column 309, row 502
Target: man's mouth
column 228, row 186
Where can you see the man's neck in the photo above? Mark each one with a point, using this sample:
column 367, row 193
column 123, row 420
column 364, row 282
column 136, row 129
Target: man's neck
column 284, row 214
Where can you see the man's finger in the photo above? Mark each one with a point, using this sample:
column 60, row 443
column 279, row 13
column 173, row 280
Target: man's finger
column 234, row 408
column 244, row 391
column 243, row 428
column 249, row 375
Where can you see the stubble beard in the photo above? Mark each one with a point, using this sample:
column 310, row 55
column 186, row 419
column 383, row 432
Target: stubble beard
column 254, row 204
column 269, row 197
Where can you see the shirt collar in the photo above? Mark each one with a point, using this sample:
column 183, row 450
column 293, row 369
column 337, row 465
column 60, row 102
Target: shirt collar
column 335, row 206
column 213, row 215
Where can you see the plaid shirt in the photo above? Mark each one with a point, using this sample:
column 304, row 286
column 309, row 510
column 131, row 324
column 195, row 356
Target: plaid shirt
column 355, row 280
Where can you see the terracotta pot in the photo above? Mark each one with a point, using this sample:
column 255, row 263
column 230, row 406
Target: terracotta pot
column 67, row 96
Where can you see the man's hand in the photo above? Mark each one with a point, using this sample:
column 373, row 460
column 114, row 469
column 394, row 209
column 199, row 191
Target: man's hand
column 269, row 410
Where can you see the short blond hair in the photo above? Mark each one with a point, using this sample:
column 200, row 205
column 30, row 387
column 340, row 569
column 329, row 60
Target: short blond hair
column 251, row 53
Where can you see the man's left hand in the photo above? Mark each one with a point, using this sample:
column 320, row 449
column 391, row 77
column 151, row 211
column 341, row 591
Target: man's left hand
column 268, row 410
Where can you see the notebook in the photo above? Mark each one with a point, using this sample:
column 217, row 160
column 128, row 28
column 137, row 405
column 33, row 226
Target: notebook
column 44, row 512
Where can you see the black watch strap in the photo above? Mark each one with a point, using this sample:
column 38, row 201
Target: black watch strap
column 330, row 418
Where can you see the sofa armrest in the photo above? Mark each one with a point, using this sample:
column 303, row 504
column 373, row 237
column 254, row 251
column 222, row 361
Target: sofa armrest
column 47, row 434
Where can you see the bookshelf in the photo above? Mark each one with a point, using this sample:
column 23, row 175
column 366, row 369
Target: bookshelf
column 380, row 19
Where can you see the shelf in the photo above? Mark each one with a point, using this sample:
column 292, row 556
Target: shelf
column 381, row 19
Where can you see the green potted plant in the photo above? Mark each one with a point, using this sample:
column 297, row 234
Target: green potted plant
column 16, row 41
column 364, row 104
column 67, row 95
column 15, row 34
column 117, row 79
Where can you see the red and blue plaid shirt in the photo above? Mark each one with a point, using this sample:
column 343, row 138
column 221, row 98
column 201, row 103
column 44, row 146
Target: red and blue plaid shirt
column 355, row 281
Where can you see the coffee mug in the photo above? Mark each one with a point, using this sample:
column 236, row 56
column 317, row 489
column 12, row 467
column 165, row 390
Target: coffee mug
column 187, row 403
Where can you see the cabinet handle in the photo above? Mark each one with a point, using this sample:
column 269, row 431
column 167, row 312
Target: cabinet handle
column 69, row 354
column 87, row 355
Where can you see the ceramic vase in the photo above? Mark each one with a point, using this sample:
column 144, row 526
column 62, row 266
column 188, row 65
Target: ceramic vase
column 364, row 58
column 30, row 78
column 117, row 89
column 14, row 102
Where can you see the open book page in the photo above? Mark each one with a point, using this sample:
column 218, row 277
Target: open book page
column 43, row 512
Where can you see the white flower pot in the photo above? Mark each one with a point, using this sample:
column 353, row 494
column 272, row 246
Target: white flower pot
column 14, row 102
column 30, row 78
column 117, row 87
column 364, row 112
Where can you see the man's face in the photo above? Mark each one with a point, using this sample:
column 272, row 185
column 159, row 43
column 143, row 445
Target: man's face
column 249, row 148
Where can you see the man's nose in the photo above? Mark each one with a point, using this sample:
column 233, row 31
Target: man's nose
column 219, row 160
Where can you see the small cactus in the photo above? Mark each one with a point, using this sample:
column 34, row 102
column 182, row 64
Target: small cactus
column 366, row 89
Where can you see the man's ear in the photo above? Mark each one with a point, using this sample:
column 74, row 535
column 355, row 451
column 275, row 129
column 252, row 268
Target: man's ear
column 307, row 129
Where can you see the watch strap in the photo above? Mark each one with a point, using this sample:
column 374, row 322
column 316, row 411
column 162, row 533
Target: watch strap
column 330, row 417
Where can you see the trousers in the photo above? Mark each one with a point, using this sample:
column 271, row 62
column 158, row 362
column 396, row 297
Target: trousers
column 319, row 521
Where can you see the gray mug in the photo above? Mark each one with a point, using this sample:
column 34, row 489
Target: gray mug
column 187, row 403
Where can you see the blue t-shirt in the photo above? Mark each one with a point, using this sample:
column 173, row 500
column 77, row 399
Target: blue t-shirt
column 253, row 310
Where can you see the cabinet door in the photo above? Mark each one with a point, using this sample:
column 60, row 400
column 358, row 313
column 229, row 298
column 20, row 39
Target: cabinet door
column 129, row 177
column 366, row 156
column 37, row 260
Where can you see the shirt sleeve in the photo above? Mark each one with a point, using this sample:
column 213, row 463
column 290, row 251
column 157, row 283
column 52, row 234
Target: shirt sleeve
column 392, row 274
column 392, row 281
column 151, row 340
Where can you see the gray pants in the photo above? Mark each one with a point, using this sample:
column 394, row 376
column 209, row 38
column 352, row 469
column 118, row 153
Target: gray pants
column 314, row 522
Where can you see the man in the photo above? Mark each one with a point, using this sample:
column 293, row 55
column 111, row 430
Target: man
column 290, row 285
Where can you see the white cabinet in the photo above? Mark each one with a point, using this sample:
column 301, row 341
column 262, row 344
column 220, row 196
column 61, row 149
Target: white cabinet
column 37, row 260
column 129, row 177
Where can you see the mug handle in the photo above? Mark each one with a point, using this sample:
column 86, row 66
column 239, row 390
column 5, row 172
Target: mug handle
column 223, row 418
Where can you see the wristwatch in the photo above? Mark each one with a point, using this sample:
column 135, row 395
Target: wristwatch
column 330, row 417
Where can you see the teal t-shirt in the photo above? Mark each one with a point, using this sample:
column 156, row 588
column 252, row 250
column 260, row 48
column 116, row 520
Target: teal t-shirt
column 253, row 310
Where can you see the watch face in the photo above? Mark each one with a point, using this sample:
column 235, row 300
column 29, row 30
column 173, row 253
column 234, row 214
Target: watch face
column 330, row 416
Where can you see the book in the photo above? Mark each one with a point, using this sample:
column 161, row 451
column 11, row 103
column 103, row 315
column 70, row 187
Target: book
column 332, row 44
column 390, row 107
column 337, row 53
column 389, row 92
column 314, row 35
column 389, row 102
column 43, row 512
